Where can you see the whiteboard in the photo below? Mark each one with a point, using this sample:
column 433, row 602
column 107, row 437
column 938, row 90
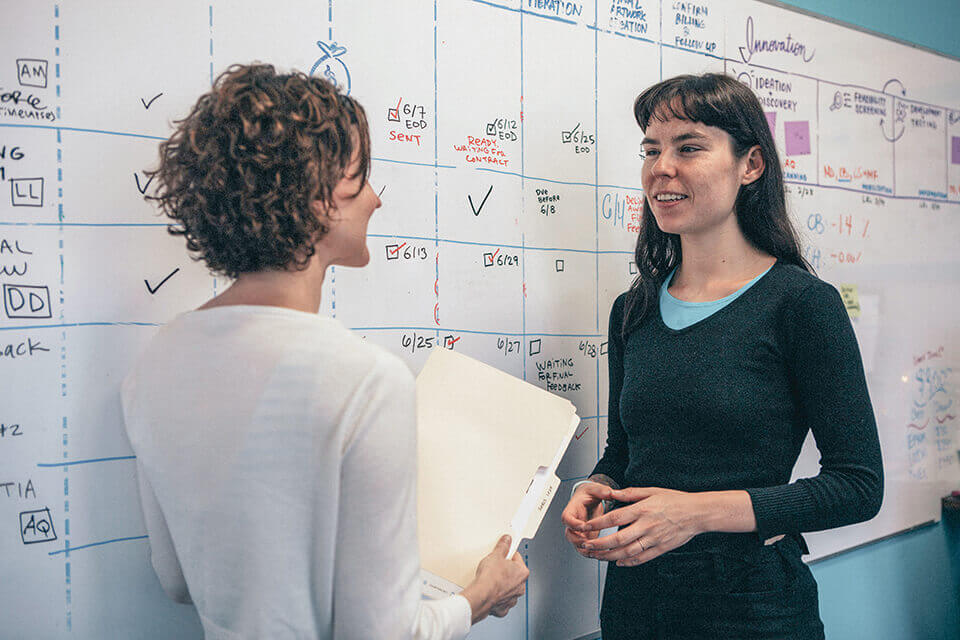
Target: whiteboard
column 508, row 157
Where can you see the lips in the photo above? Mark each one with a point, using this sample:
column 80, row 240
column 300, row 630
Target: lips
column 669, row 196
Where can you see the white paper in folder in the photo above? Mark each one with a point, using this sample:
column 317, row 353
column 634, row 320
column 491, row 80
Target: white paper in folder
column 488, row 446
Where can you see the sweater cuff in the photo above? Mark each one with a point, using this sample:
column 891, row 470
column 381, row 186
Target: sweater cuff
column 462, row 614
column 610, row 470
column 776, row 509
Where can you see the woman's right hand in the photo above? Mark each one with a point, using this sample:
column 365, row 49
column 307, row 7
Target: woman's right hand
column 585, row 504
column 499, row 583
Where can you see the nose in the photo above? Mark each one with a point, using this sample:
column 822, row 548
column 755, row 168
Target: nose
column 664, row 164
column 376, row 197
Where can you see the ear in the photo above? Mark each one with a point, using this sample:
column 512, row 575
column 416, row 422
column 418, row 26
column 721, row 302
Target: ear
column 754, row 165
column 320, row 210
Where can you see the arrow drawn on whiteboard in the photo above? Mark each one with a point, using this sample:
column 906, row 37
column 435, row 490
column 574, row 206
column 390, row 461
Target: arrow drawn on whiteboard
column 153, row 290
column 142, row 189
column 903, row 90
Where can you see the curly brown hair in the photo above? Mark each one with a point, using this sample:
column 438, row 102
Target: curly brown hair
column 239, row 174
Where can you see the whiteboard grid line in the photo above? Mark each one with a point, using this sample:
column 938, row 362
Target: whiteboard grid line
column 596, row 233
column 65, row 432
column 918, row 198
column 544, row 334
column 68, row 549
column 436, row 183
column 523, row 299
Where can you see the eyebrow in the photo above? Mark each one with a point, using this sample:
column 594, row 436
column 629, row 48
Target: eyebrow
column 683, row 137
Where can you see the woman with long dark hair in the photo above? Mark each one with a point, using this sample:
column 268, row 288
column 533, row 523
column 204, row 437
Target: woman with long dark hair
column 723, row 353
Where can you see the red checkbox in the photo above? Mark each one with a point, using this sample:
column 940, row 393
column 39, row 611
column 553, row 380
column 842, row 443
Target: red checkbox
column 393, row 115
column 393, row 251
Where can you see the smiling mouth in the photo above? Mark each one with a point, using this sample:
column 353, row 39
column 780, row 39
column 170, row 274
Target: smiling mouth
column 669, row 197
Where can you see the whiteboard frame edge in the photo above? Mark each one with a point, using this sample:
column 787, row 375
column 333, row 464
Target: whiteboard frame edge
column 916, row 527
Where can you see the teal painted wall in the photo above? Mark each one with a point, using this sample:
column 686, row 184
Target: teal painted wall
column 907, row 587
column 903, row 588
column 932, row 23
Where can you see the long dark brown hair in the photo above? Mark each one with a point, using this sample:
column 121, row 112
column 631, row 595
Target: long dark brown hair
column 720, row 101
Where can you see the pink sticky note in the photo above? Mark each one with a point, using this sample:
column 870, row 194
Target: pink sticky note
column 772, row 121
column 797, row 136
column 955, row 150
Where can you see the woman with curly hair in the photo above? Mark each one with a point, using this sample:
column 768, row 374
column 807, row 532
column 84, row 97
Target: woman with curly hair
column 275, row 449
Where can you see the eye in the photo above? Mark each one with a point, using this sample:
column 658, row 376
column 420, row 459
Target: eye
column 687, row 148
column 649, row 153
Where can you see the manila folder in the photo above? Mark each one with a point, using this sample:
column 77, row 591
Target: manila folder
column 488, row 446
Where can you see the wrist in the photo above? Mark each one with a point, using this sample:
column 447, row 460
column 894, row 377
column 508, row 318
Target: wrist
column 724, row 511
column 480, row 597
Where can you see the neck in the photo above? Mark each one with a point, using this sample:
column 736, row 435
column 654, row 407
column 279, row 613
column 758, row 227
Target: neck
column 298, row 290
column 722, row 256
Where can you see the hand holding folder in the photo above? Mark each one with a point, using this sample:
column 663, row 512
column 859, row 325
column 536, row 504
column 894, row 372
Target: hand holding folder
column 488, row 449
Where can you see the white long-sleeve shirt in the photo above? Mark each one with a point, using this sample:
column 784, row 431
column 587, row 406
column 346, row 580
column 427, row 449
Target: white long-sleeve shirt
column 276, row 456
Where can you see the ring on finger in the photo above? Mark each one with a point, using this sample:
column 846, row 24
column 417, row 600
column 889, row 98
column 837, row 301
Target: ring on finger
column 642, row 546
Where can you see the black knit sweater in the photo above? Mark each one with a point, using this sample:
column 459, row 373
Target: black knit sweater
column 726, row 404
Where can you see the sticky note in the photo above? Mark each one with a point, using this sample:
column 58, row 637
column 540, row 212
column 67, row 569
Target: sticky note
column 851, row 299
column 797, row 134
column 955, row 150
column 772, row 121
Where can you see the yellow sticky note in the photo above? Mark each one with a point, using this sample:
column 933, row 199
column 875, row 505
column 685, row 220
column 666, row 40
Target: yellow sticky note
column 851, row 299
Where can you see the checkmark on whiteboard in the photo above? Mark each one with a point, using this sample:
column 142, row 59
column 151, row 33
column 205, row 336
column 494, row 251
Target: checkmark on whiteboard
column 153, row 290
column 476, row 210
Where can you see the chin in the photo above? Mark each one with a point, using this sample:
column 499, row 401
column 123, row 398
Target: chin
column 670, row 226
column 358, row 261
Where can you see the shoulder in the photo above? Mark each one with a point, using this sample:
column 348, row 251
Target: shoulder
column 616, row 311
column 799, row 290
column 355, row 357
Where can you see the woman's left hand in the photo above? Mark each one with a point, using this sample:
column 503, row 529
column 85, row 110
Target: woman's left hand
column 657, row 521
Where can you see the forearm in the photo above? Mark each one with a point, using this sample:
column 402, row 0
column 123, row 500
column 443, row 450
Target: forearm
column 724, row 511
column 481, row 598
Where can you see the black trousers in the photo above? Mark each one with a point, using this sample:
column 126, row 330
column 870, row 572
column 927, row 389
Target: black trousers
column 728, row 586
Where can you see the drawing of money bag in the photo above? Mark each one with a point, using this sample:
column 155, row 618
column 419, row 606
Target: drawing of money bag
column 331, row 67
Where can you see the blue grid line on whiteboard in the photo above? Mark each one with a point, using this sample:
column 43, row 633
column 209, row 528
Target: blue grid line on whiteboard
column 67, row 549
column 64, row 431
column 436, row 183
column 523, row 300
column 547, row 334
column 620, row 34
column 523, row 250
column 71, row 463
column 596, row 235
column 210, row 7
column 524, row 12
column 937, row 199
column 596, row 179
